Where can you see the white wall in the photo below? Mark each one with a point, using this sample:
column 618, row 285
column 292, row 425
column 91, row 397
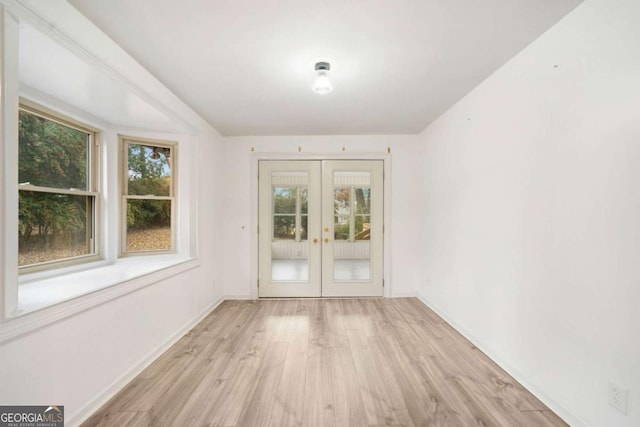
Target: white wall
column 405, row 224
column 83, row 359
column 532, row 213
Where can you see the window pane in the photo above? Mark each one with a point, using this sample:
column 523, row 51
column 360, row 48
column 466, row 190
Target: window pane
column 363, row 227
column 363, row 200
column 342, row 202
column 53, row 227
column 341, row 228
column 284, row 200
column 284, row 227
column 303, row 227
column 148, row 225
column 149, row 170
column 51, row 154
column 304, row 200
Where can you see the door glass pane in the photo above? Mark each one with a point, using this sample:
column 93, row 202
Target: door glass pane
column 352, row 225
column 363, row 200
column 289, row 244
column 304, row 202
column 303, row 231
column 284, row 227
column 284, row 200
column 341, row 228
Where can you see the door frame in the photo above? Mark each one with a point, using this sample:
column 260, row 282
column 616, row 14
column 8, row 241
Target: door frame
column 386, row 159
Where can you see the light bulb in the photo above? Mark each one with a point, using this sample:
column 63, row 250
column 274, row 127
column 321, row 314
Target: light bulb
column 322, row 85
column 154, row 154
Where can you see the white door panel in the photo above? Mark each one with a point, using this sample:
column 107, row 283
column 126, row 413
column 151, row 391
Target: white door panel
column 320, row 228
column 289, row 206
column 352, row 211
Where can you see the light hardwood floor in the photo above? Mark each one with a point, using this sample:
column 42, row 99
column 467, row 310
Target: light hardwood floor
column 333, row 362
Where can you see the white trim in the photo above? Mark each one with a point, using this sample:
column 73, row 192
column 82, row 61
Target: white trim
column 29, row 322
column 404, row 295
column 253, row 225
column 82, row 414
column 60, row 21
column 9, row 192
column 557, row 407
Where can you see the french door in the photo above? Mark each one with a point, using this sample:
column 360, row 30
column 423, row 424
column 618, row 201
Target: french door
column 320, row 228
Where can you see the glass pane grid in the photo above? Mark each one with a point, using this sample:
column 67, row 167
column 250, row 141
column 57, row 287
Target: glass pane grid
column 148, row 170
column 53, row 227
column 284, row 227
column 289, row 247
column 352, row 227
column 148, row 225
column 56, row 202
column 51, row 154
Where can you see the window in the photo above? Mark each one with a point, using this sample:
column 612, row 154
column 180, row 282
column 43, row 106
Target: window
column 352, row 215
column 290, row 213
column 57, row 190
column 148, row 196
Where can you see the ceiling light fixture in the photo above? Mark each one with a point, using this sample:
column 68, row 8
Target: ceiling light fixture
column 322, row 85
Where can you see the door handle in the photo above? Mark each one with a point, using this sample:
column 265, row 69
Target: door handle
column 326, row 229
column 315, row 240
column 326, row 240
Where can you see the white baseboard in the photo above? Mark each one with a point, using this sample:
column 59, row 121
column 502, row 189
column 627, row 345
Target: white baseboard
column 403, row 295
column 92, row 406
column 516, row 373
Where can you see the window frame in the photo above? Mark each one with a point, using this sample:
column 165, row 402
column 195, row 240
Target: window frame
column 123, row 142
column 92, row 190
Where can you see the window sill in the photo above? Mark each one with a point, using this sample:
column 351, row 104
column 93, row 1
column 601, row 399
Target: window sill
column 45, row 300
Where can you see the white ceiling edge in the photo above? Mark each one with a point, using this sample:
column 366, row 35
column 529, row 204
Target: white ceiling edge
column 63, row 23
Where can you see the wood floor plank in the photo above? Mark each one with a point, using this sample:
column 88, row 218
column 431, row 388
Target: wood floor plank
column 257, row 411
column 195, row 409
column 425, row 403
column 244, row 373
column 288, row 406
column 336, row 332
column 322, row 333
column 190, row 343
column 318, row 392
column 378, row 389
column 129, row 419
column 167, row 405
column 282, row 320
column 348, row 407
column 312, row 362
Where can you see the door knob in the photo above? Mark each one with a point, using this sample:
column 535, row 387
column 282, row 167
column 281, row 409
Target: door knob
column 326, row 229
column 315, row 240
column 326, row 240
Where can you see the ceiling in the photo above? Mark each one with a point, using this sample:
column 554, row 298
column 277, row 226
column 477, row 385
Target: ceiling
column 246, row 66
